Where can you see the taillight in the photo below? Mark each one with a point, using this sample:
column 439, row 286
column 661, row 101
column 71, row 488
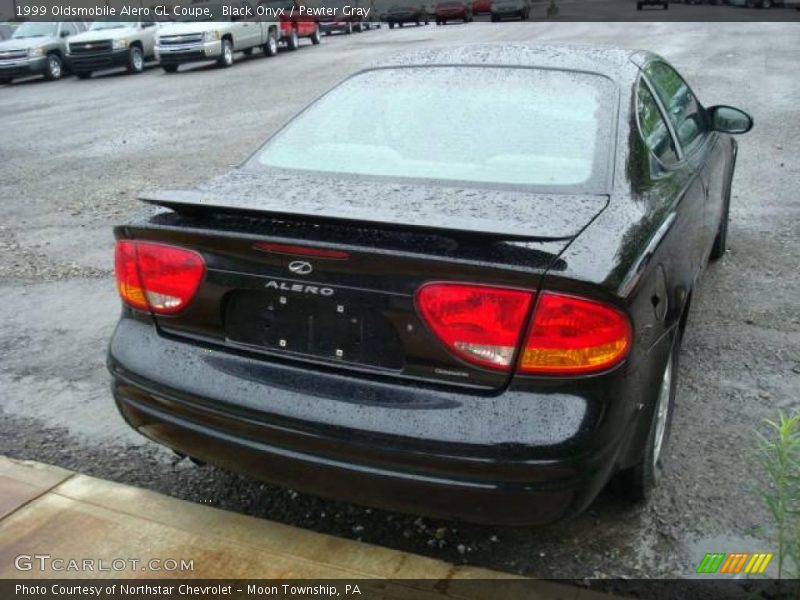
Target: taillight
column 157, row 277
column 481, row 324
column 571, row 335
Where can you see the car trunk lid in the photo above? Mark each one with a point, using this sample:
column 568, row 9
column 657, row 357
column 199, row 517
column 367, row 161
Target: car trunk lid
column 329, row 279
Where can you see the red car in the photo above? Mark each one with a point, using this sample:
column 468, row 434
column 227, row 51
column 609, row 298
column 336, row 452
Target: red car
column 453, row 10
column 481, row 6
column 294, row 27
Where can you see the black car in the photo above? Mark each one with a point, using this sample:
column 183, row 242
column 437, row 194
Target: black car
column 479, row 322
column 510, row 9
column 400, row 14
column 664, row 4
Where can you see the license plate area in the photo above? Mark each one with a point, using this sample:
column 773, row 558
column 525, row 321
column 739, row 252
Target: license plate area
column 350, row 326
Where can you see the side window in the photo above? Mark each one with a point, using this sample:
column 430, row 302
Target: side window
column 653, row 127
column 684, row 111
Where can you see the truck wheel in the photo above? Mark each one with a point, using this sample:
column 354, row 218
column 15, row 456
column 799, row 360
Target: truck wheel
column 170, row 68
column 54, row 67
column 226, row 56
column 315, row 37
column 83, row 74
column 271, row 47
column 135, row 60
column 293, row 42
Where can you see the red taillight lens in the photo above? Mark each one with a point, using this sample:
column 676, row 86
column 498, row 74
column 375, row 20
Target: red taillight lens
column 481, row 324
column 157, row 277
column 572, row 335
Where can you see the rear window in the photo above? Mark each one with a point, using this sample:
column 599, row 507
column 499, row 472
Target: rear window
column 520, row 126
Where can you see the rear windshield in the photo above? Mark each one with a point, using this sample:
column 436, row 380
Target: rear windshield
column 520, row 126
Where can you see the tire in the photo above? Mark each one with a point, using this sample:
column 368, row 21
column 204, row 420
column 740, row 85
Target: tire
column 135, row 60
column 83, row 74
column 271, row 47
column 638, row 482
column 170, row 68
column 316, row 38
column 293, row 42
column 721, row 241
column 349, row 29
column 54, row 68
column 225, row 59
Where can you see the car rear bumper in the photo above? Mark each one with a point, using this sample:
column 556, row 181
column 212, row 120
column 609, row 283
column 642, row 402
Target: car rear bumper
column 104, row 60
column 233, row 411
column 23, row 67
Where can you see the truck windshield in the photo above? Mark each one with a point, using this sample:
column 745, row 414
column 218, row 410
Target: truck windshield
column 31, row 29
column 520, row 126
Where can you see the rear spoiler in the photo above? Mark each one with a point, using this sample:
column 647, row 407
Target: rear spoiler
column 194, row 203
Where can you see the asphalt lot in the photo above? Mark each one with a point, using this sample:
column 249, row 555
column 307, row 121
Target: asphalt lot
column 74, row 153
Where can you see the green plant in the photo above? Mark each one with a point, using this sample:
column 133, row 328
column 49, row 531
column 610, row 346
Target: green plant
column 779, row 457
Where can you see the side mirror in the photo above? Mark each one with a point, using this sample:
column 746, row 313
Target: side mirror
column 728, row 119
column 64, row 33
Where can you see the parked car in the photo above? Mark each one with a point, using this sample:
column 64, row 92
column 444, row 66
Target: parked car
column 344, row 23
column 109, row 44
column 218, row 39
column 6, row 30
column 399, row 14
column 514, row 9
column 481, row 323
column 36, row 48
column 451, row 10
column 662, row 3
column 480, row 7
column 293, row 26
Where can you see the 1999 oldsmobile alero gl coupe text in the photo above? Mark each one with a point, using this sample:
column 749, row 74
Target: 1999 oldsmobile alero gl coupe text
column 475, row 316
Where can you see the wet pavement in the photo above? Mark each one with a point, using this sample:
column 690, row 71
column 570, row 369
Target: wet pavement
column 74, row 154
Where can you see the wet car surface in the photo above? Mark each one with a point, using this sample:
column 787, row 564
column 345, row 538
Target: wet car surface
column 729, row 390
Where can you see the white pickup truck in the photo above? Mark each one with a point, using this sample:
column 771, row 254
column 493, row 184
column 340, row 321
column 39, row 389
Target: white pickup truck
column 112, row 44
column 219, row 40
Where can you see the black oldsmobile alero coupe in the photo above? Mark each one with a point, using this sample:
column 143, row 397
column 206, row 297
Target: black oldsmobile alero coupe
column 478, row 316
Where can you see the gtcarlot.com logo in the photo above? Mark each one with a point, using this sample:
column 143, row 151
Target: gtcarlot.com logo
column 46, row 562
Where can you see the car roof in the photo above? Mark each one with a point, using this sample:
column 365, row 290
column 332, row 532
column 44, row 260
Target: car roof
column 613, row 62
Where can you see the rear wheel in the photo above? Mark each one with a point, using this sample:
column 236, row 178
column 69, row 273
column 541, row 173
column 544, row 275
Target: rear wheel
column 293, row 42
column 349, row 29
column 170, row 68
column 135, row 60
column 271, row 47
column 721, row 241
column 54, row 67
column 640, row 480
column 315, row 37
column 226, row 55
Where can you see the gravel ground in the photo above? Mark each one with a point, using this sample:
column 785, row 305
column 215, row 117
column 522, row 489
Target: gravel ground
column 74, row 153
